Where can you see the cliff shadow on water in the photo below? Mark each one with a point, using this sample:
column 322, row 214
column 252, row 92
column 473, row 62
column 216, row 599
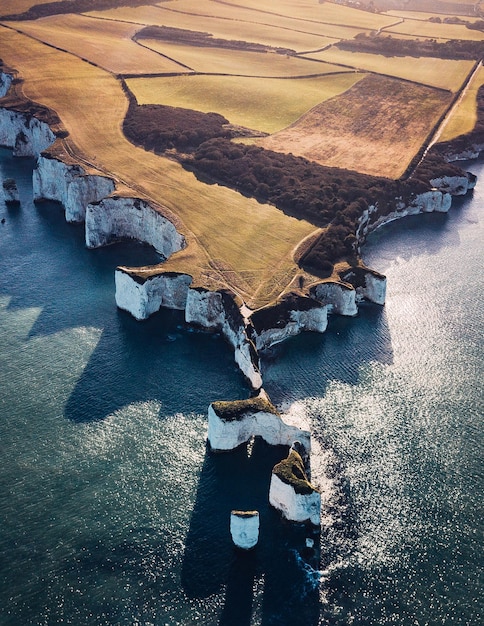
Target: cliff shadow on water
column 272, row 584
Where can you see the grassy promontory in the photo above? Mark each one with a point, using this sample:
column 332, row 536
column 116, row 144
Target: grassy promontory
column 291, row 472
column 236, row 410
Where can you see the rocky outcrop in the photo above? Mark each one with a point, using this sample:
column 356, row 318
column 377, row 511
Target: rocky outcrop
column 292, row 494
column 70, row 185
column 5, row 82
column 244, row 528
column 289, row 317
column 24, row 133
column 427, row 202
column 116, row 218
column 230, row 424
column 369, row 284
column 455, row 185
column 471, row 151
column 10, row 191
column 338, row 297
column 144, row 296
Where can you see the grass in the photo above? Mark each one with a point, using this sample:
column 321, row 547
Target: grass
column 267, row 105
column 464, row 115
column 291, row 471
column 227, row 233
column 268, row 31
column 231, row 411
column 376, row 127
column 441, row 73
column 239, row 62
column 104, row 43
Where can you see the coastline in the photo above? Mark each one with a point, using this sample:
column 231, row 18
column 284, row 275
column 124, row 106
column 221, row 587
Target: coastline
column 109, row 218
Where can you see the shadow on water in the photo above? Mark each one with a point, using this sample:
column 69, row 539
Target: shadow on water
column 158, row 359
column 280, row 562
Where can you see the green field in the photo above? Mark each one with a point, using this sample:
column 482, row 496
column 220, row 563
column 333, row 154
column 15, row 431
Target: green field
column 464, row 115
column 239, row 62
column 267, row 105
column 440, row 73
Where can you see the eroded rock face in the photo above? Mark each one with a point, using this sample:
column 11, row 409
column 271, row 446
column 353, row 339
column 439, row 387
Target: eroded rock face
column 115, row 218
column 5, row 82
column 338, row 297
column 455, row 185
column 427, row 202
column 292, row 494
column 230, row 424
column 25, row 134
column 244, row 528
column 143, row 297
column 289, row 317
column 69, row 185
column 10, row 191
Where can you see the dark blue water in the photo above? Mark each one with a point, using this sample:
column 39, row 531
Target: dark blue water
column 113, row 512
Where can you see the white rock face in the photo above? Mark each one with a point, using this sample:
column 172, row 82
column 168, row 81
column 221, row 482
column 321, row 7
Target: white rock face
column 472, row 152
column 25, row 134
column 295, row 321
column 114, row 219
column 5, row 82
column 217, row 311
column 229, row 434
column 427, row 202
column 455, row 185
column 144, row 298
column 339, row 298
column 294, row 506
column 375, row 289
column 69, row 185
column 244, row 528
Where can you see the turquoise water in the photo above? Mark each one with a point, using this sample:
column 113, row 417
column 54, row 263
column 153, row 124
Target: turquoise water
column 112, row 511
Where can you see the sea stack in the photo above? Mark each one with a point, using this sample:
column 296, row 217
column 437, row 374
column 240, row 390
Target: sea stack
column 292, row 494
column 244, row 528
column 10, row 191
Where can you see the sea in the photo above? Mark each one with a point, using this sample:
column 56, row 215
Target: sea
column 113, row 511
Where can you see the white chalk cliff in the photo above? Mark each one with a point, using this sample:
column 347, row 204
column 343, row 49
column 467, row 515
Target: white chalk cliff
column 24, row 133
column 116, row 218
column 230, row 424
column 339, row 297
column 70, row 185
column 290, row 316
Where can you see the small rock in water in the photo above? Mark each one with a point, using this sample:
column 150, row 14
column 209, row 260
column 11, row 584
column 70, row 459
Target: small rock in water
column 10, row 191
column 244, row 528
column 309, row 543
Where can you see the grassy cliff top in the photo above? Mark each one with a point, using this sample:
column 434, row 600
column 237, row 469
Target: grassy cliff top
column 291, row 471
column 231, row 411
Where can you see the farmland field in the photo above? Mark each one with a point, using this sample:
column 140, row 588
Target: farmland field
column 9, row 7
column 440, row 73
column 364, row 130
column 308, row 10
column 110, row 45
column 294, row 35
column 267, row 105
column 239, row 62
column 431, row 30
column 464, row 115
column 317, row 108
